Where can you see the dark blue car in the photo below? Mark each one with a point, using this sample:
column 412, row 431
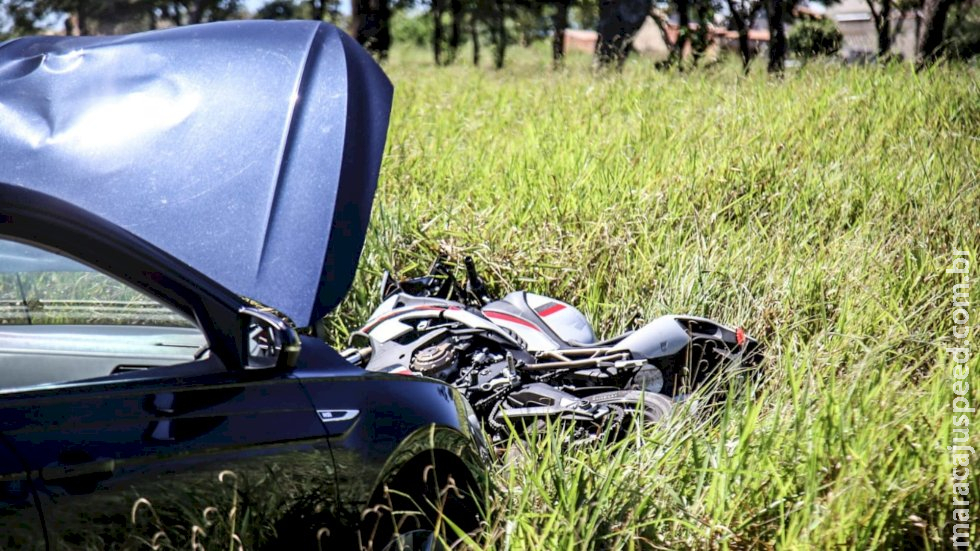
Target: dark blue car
column 176, row 209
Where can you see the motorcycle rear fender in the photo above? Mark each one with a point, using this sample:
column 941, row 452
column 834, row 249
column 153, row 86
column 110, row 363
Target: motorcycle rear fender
column 668, row 335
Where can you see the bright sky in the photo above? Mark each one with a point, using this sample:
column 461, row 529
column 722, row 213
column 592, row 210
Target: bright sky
column 252, row 5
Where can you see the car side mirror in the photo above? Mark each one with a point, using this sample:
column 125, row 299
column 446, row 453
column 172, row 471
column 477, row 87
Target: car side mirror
column 268, row 341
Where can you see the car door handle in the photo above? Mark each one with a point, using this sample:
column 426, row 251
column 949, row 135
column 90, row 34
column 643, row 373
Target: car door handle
column 95, row 470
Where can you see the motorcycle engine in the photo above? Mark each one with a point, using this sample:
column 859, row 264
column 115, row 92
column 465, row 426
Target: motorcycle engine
column 435, row 361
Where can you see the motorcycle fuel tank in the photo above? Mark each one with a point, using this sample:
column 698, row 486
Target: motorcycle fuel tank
column 544, row 323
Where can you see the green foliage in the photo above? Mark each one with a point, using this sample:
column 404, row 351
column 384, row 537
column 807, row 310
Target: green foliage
column 411, row 28
column 111, row 16
column 963, row 30
column 585, row 14
column 812, row 38
column 278, row 9
column 819, row 212
column 530, row 24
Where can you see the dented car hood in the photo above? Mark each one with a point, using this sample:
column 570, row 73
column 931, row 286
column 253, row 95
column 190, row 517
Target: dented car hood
column 248, row 150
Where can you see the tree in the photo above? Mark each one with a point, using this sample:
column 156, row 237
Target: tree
column 437, row 32
column 475, row 32
column 455, row 28
column 190, row 12
column 457, row 14
column 808, row 39
column 278, row 9
column 742, row 14
column 16, row 19
column 26, row 16
column 618, row 22
column 321, row 10
column 777, row 36
column 560, row 22
column 683, row 29
column 882, row 20
column 933, row 29
column 498, row 33
column 705, row 11
column 962, row 35
column 83, row 17
column 881, row 15
column 371, row 25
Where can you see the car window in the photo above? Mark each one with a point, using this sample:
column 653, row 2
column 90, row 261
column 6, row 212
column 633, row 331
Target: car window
column 40, row 287
column 62, row 321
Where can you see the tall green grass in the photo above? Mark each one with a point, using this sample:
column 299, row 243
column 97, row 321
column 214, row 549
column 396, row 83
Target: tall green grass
column 818, row 211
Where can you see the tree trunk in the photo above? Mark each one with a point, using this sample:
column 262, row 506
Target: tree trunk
column 742, row 22
column 885, row 32
column 618, row 22
column 500, row 34
column 437, row 31
column 560, row 21
column 704, row 15
column 319, row 9
column 81, row 11
column 777, row 37
column 170, row 12
column 744, row 48
column 475, row 38
column 605, row 46
column 882, row 21
column 196, row 13
column 683, row 27
column 372, row 23
column 456, row 30
column 932, row 32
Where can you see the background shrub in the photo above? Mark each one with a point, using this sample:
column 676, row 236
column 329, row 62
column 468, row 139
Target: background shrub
column 809, row 39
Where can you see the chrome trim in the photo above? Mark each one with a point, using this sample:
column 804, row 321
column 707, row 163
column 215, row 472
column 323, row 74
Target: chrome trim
column 336, row 415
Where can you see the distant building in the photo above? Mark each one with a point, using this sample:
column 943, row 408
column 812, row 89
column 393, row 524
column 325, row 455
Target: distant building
column 577, row 40
column 854, row 19
column 650, row 41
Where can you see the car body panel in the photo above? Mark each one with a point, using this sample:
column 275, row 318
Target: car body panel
column 20, row 515
column 397, row 419
column 182, row 443
column 249, row 150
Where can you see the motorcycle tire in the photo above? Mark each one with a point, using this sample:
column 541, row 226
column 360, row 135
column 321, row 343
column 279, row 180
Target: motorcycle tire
column 655, row 407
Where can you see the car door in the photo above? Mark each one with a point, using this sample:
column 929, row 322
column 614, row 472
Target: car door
column 19, row 513
column 134, row 433
column 195, row 458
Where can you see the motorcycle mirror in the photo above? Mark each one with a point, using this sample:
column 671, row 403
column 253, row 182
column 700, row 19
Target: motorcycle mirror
column 474, row 283
column 438, row 266
column 387, row 285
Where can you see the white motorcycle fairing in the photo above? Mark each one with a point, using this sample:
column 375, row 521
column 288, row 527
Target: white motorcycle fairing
column 544, row 323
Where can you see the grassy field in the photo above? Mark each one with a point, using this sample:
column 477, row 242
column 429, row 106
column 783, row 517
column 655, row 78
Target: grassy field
column 820, row 212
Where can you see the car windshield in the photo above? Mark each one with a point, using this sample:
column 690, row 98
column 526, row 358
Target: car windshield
column 39, row 287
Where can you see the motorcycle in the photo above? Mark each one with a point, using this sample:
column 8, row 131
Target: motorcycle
column 525, row 359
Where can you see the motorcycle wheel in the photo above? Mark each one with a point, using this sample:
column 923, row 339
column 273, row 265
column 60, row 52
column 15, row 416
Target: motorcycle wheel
column 634, row 405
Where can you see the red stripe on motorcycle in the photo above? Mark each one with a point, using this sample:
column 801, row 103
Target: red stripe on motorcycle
column 507, row 317
column 551, row 310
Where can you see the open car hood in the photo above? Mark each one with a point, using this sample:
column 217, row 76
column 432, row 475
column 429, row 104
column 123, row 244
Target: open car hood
column 248, row 150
